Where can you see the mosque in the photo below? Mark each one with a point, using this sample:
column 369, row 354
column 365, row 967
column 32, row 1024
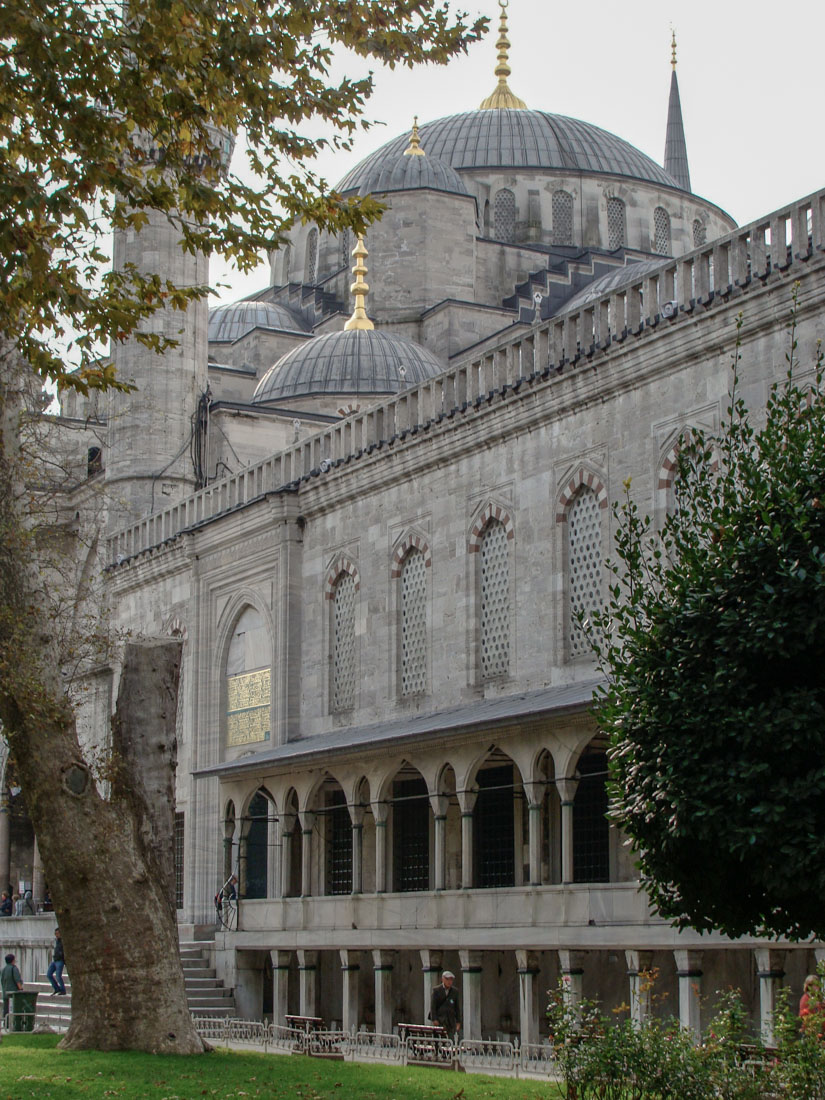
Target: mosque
column 373, row 514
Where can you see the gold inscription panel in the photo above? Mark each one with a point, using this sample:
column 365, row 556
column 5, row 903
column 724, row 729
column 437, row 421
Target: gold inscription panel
column 247, row 712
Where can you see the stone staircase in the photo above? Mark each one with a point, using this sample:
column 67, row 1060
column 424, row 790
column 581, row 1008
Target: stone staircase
column 205, row 992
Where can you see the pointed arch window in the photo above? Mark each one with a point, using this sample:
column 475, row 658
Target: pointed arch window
column 616, row 224
column 562, row 217
column 248, row 681
column 584, row 564
column 700, row 234
column 346, row 247
column 413, row 624
column 494, row 616
column 504, row 215
column 343, row 644
column 311, row 262
column 661, row 230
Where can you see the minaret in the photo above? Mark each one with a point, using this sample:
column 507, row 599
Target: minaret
column 359, row 322
column 676, row 159
column 502, row 97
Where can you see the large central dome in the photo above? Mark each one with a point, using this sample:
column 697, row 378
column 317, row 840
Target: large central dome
column 518, row 139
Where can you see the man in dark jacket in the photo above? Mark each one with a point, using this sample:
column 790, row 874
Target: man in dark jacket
column 444, row 1007
column 10, row 981
column 55, row 971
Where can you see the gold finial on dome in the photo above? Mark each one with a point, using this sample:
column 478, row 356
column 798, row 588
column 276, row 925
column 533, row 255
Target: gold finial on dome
column 359, row 289
column 414, row 148
column 502, row 97
column 673, row 48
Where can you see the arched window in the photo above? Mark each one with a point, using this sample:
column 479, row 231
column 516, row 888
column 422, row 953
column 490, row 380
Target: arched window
column 700, row 234
column 311, row 260
column 487, row 217
column 505, row 215
column 494, row 827
column 584, row 564
column 94, row 461
column 338, row 844
column 346, row 247
column 494, row 609
column 616, row 224
column 661, row 227
column 248, row 690
column 562, row 217
column 342, row 693
column 411, row 835
column 413, row 640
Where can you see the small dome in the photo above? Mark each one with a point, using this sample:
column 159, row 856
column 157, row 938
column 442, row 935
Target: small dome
column 403, row 173
column 354, row 362
column 517, row 139
column 613, row 280
column 231, row 322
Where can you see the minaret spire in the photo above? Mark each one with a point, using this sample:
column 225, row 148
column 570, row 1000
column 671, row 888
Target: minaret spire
column 359, row 320
column 676, row 159
column 502, row 97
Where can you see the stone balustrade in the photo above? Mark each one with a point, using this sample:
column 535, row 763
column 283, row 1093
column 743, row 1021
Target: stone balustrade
column 526, row 358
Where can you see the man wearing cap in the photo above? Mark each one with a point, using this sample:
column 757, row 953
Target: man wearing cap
column 444, row 1008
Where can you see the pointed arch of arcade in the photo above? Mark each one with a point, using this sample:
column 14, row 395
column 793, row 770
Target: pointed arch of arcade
column 494, row 801
column 591, row 831
column 257, row 844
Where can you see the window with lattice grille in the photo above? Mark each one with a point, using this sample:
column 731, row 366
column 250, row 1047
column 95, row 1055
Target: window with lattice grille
column 179, row 839
column 339, row 845
column 413, row 624
column 346, row 248
column 494, row 620
column 310, row 267
column 343, row 644
column 562, row 217
column 505, row 215
column 411, row 836
column 616, row 226
column 591, row 832
column 661, row 231
column 495, row 828
column 584, row 563
column 700, row 234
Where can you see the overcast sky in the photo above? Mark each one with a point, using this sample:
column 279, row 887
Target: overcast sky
column 750, row 77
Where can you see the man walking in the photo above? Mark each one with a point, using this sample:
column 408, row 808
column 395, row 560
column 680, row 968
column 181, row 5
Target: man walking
column 444, row 1008
column 55, row 971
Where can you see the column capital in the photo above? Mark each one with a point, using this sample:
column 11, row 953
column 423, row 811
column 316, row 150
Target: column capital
column 534, row 792
column 638, row 962
column 567, row 788
column 280, row 959
column 467, row 801
column 571, row 962
column 431, row 961
column 527, row 962
column 307, row 960
column 470, row 961
column 770, row 962
column 350, row 960
column 440, row 803
column 380, row 813
column 688, row 963
column 307, row 819
column 383, row 959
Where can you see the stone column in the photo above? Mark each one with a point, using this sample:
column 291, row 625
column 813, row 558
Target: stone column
column 357, row 815
column 307, row 820
column 439, row 804
column 770, row 969
column 382, row 962
column 431, row 962
column 467, row 801
column 567, row 793
column 5, row 839
column 471, row 994
column 351, row 970
column 380, row 813
column 689, row 973
column 280, row 985
column 528, row 996
column 534, row 792
column 38, row 882
column 308, row 982
column 288, row 824
column 571, row 966
column 638, row 971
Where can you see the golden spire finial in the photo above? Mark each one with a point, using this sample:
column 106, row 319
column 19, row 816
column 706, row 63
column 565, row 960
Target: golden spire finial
column 359, row 320
column 414, row 148
column 502, row 97
column 673, row 48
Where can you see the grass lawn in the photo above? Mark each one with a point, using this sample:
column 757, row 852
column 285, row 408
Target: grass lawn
column 32, row 1066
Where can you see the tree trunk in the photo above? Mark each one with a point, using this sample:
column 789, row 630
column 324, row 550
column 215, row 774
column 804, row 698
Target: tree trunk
column 106, row 860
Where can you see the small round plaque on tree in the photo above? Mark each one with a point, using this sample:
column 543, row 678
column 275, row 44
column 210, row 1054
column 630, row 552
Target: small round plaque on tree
column 76, row 779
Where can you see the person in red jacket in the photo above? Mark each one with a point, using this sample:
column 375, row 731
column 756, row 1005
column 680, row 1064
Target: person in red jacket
column 811, row 1006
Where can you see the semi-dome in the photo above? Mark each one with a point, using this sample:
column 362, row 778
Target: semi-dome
column 405, row 173
column 231, row 322
column 613, row 280
column 510, row 138
column 354, row 362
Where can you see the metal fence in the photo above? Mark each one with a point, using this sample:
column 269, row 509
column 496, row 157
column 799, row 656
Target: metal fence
column 473, row 1055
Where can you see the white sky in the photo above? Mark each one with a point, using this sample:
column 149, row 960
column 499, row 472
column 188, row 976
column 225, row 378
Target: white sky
column 750, row 78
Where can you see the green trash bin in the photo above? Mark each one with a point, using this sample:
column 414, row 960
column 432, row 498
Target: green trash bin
column 21, row 1011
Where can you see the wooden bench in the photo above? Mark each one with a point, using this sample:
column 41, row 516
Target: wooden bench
column 305, row 1023
column 427, row 1044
